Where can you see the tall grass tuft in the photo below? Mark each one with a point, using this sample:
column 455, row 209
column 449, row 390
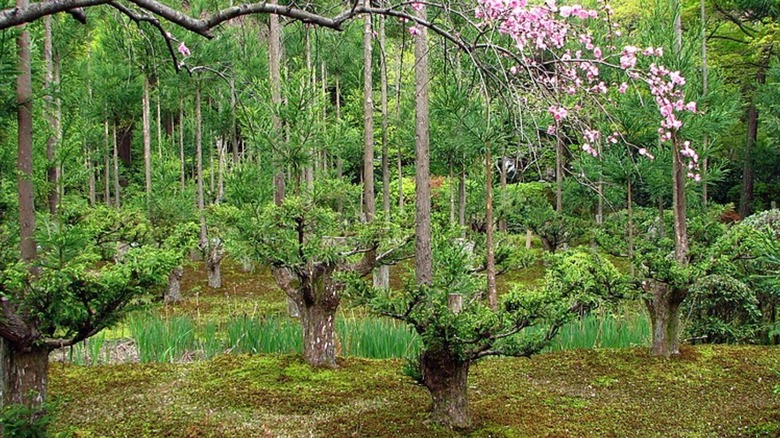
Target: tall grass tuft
column 376, row 338
column 264, row 335
column 162, row 340
column 604, row 330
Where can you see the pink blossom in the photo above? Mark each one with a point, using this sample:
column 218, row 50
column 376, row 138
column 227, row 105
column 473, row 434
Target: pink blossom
column 558, row 113
column 623, row 88
column 417, row 6
column 184, row 50
column 513, row 70
column 691, row 106
column 414, row 30
column 676, row 78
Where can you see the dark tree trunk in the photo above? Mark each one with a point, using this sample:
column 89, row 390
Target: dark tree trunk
column 24, row 373
column 664, row 309
column 748, row 167
column 173, row 294
column 748, row 173
column 446, row 378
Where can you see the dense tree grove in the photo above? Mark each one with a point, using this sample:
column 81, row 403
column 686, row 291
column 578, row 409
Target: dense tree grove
column 626, row 140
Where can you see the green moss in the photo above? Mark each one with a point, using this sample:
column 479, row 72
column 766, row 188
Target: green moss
column 708, row 391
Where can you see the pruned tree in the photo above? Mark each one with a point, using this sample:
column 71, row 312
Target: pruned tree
column 457, row 328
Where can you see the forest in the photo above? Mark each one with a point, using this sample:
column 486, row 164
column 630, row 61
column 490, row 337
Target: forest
column 500, row 218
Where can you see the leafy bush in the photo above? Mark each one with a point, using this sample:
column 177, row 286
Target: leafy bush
column 20, row 421
column 722, row 309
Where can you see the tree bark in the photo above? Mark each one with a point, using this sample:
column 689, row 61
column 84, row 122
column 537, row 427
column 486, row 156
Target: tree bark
column 214, row 263
column 316, row 295
column 274, row 66
column 382, row 273
column 117, row 196
column 24, row 157
column 398, row 82
column 502, row 222
column 51, row 117
column 91, row 182
column 146, row 117
column 423, row 256
column 664, row 308
column 181, row 143
column 558, row 171
column 490, row 250
column 173, row 294
column 25, row 375
column 705, row 91
column 199, row 168
column 446, row 379
column 462, row 197
column 107, row 169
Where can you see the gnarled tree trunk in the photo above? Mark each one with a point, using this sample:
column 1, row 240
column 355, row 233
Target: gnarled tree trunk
column 317, row 297
column 214, row 258
column 173, row 294
column 664, row 309
column 446, row 378
column 24, row 371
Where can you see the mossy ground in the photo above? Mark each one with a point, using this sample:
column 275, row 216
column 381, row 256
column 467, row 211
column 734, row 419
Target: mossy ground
column 708, row 391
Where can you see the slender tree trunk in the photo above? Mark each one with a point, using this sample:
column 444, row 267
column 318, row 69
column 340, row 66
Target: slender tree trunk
column 398, row 82
column 89, row 164
column 705, row 91
column 630, row 211
column 491, row 257
column 181, row 143
column 368, row 119
column 679, row 208
column 339, row 159
column 173, row 294
column 117, row 195
column 24, row 157
column 382, row 273
column 221, row 151
column 199, row 168
column 446, row 378
column 274, row 63
column 107, row 169
column 462, row 197
column 423, row 256
column 159, row 123
column 748, row 172
column 502, row 221
column 25, row 372
column 452, row 192
column 147, row 142
column 233, row 120
column 558, row 171
column 51, row 116
column 212, row 186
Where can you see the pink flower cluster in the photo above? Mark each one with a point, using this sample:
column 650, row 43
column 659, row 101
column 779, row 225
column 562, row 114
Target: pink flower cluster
column 548, row 26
